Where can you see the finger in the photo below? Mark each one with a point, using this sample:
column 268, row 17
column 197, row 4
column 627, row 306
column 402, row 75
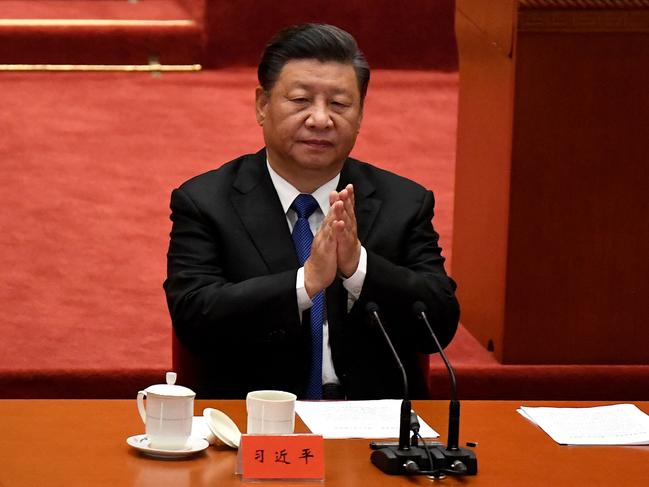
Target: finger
column 338, row 229
column 322, row 242
column 349, row 207
column 338, row 210
column 349, row 215
column 346, row 192
column 330, row 233
column 332, row 213
column 350, row 191
column 347, row 197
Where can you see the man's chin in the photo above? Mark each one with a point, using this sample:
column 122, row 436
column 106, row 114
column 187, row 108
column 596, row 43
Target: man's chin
column 317, row 159
column 320, row 164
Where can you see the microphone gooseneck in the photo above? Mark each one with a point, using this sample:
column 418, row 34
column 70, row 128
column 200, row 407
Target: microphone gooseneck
column 373, row 309
column 404, row 423
column 419, row 309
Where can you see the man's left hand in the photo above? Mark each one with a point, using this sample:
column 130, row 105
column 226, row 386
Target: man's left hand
column 348, row 250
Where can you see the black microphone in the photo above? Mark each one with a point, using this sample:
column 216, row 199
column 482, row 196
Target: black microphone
column 404, row 424
column 460, row 460
column 419, row 309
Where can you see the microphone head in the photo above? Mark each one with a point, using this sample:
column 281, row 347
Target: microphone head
column 371, row 307
column 418, row 308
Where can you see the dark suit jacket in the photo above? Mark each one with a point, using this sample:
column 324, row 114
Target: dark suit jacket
column 231, row 284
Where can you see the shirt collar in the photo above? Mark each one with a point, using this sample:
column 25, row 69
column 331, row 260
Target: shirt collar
column 287, row 192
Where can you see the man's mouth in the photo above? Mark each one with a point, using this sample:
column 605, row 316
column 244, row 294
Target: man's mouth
column 318, row 143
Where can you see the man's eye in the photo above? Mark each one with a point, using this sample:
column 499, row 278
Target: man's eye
column 299, row 100
column 339, row 104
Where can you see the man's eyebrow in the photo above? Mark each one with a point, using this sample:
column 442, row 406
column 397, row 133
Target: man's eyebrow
column 306, row 86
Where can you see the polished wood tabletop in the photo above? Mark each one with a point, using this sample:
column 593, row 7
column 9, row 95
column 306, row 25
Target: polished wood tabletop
column 83, row 442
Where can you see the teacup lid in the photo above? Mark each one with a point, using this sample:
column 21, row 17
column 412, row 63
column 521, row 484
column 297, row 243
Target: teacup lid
column 222, row 427
column 170, row 389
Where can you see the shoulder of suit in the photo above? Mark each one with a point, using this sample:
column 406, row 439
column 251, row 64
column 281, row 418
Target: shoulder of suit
column 222, row 175
column 382, row 178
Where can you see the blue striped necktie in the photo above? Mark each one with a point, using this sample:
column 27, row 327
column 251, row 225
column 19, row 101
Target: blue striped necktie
column 304, row 205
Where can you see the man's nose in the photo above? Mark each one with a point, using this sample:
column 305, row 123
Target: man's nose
column 319, row 117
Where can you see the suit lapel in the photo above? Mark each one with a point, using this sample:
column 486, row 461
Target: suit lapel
column 257, row 204
column 367, row 204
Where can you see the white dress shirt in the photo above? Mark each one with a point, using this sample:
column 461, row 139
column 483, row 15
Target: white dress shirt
column 354, row 284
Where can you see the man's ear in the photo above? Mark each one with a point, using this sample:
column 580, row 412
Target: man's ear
column 261, row 104
column 360, row 121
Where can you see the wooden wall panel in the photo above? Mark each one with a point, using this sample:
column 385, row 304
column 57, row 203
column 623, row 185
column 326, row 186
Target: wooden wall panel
column 564, row 281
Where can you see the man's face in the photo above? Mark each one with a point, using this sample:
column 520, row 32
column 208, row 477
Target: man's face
column 310, row 119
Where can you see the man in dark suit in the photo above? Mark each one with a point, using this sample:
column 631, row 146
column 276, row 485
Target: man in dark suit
column 254, row 303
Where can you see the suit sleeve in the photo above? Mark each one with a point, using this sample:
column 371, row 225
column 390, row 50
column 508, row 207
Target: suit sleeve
column 205, row 300
column 412, row 270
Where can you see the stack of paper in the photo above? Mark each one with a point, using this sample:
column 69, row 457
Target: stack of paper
column 620, row 424
column 356, row 419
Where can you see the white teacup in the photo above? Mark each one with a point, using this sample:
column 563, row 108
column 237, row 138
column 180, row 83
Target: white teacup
column 270, row 412
column 168, row 414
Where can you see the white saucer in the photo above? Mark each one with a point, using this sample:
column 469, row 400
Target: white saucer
column 141, row 443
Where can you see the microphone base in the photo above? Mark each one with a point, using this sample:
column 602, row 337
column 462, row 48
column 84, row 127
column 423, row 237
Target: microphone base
column 393, row 461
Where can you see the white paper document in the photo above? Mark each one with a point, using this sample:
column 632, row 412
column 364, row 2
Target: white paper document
column 356, row 419
column 620, row 424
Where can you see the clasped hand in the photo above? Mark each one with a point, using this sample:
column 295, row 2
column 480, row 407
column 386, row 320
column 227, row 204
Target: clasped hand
column 336, row 248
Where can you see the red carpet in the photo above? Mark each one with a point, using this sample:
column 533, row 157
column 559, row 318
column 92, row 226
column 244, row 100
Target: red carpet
column 88, row 162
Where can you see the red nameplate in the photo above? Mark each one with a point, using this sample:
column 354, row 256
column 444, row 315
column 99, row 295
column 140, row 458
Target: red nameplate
column 282, row 456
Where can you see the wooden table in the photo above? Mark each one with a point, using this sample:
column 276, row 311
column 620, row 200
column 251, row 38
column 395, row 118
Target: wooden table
column 82, row 442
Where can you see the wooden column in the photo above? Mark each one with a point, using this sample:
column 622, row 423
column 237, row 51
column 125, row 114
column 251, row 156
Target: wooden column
column 551, row 219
